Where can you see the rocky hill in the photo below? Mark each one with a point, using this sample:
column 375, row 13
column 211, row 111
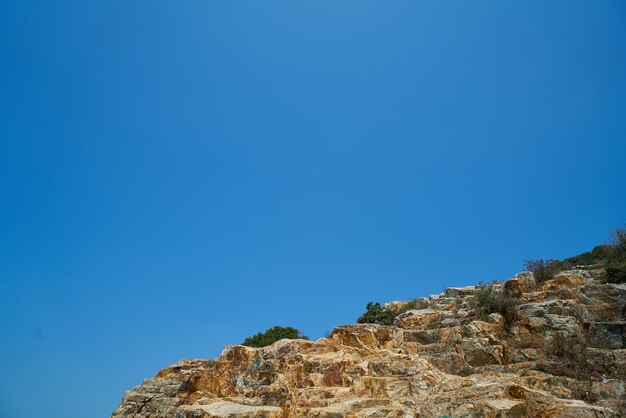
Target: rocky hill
column 562, row 354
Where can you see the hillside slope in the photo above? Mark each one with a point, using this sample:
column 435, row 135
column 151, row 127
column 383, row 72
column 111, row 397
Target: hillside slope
column 563, row 355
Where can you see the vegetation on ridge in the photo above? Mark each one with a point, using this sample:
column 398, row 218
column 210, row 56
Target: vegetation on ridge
column 375, row 313
column 615, row 256
column 486, row 302
column 276, row 333
column 611, row 256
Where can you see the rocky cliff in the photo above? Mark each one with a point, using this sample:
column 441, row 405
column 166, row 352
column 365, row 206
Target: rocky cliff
column 563, row 354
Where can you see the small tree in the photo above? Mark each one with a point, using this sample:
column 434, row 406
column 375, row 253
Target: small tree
column 269, row 337
column 485, row 302
column 376, row 314
column 615, row 254
column 618, row 239
column 543, row 269
column 599, row 253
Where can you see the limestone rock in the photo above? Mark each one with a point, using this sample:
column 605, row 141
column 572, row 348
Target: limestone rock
column 417, row 319
column 437, row 360
column 225, row 409
column 522, row 283
column 563, row 281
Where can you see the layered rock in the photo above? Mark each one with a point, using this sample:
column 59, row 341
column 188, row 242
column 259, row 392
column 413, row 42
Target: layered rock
column 436, row 360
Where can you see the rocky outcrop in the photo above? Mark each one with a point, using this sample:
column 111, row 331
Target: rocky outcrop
column 436, row 360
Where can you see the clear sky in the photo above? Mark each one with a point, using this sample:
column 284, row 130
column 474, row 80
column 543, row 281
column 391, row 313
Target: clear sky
column 178, row 175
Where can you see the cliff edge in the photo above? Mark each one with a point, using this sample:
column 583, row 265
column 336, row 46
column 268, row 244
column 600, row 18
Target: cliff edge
column 561, row 354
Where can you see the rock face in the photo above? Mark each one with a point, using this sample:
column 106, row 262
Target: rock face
column 437, row 360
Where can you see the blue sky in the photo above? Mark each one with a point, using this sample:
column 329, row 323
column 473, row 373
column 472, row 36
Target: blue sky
column 176, row 176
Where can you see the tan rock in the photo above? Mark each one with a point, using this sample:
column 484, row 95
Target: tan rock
column 434, row 361
column 417, row 319
column 512, row 408
column 224, row 409
column 515, row 287
column 562, row 281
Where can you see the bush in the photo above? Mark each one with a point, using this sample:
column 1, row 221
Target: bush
column 598, row 254
column 595, row 256
column 615, row 256
column 615, row 272
column 583, row 259
column 485, row 302
column 572, row 351
column 562, row 346
column 611, row 255
column 466, row 370
column 376, row 314
column 409, row 306
column 544, row 269
column 618, row 239
column 272, row 335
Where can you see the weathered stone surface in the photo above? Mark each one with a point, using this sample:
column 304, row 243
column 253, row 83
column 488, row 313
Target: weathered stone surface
column 460, row 291
column 224, row 409
column 563, row 281
column 437, row 360
column 520, row 284
column 418, row 318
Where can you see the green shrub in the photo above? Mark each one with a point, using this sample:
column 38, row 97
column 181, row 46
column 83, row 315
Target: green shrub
column 263, row 339
column 544, row 269
column 486, row 302
column 562, row 346
column 409, row 306
column 618, row 239
column 572, row 350
column 466, row 370
column 376, row 314
column 615, row 272
column 615, row 256
column 598, row 254
column 611, row 255
column 583, row 259
column 595, row 256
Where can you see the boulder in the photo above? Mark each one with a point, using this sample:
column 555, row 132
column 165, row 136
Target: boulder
column 417, row 319
column 562, row 281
